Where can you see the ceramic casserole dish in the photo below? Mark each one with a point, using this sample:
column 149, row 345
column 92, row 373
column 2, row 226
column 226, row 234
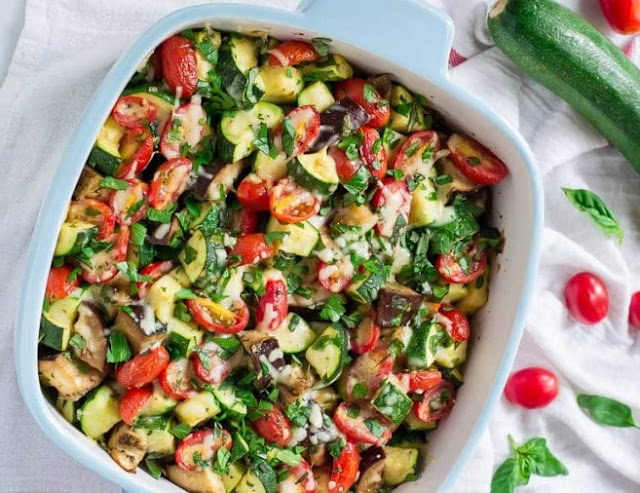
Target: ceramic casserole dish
column 415, row 48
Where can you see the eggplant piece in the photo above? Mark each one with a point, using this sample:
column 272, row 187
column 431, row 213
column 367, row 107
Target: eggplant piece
column 127, row 446
column 294, row 381
column 382, row 84
column 372, row 462
column 223, row 181
column 163, row 234
column 318, row 455
column 203, row 179
column 88, row 186
column 327, row 399
column 342, row 118
column 264, row 351
column 459, row 183
column 397, row 304
column 322, row 475
column 90, row 325
column 130, row 326
column 70, row 378
column 198, row 481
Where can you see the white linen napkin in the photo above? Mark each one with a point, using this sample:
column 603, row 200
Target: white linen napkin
column 65, row 49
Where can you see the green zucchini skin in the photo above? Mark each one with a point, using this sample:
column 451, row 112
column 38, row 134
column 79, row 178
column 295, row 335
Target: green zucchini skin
column 568, row 56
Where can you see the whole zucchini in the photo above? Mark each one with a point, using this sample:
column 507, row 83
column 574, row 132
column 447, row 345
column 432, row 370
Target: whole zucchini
column 571, row 58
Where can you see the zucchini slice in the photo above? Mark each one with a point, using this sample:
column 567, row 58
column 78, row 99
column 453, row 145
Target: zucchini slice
column 316, row 172
column 299, row 239
column 182, row 338
column 268, row 168
column 260, row 478
column 203, row 258
column 99, row 412
column 427, row 206
column 317, row 95
column 430, row 344
column 56, row 324
column 328, row 353
column 294, row 335
column 400, row 465
column 212, row 41
column 238, row 55
column 105, row 155
column 230, row 402
column 164, row 107
column 402, row 103
column 197, row 409
column 73, row 237
column 161, row 297
column 366, row 289
column 233, row 476
column 331, row 68
column 279, row 84
column 67, row 408
column 391, row 401
column 159, row 404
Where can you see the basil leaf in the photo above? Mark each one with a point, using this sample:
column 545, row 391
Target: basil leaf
column 607, row 411
column 154, row 469
column 118, row 350
column 180, row 431
column 321, row 45
column 540, row 459
column 594, row 206
column 113, row 183
column 506, row 477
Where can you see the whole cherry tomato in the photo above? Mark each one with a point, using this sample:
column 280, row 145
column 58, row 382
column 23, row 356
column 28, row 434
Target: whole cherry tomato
column 179, row 65
column 344, row 471
column 531, row 388
column 586, row 298
column 634, row 310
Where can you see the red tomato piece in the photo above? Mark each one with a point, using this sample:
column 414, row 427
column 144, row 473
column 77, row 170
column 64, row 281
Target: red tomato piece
column 155, row 270
column 130, row 205
column 450, row 267
column 393, row 201
column 273, row 305
column 143, row 368
column 208, row 365
column 245, row 221
column 344, row 471
column 367, row 373
column 93, row 212
column 203, row 442
column 214, row 317
column 134, row 111
column 58, row 284
column 252, row 249
column 417, row 152
column 136, row 149
column 366, row 97
column 169, row 181
column 179, row 65
column 622, row 15
column 291, row 203
column 420, row 381
column 436, row 403
column 352, row 420
column 634, row 310
column 336, row 277
column 345, row 167
column 366, row 335
column 186, row 128
column 455, row 323
column 133, row 401
column 475, row 161
column 373, row 153
column 586, row 298
column 102, row 266
column 175, row 379
column 531, row 388
column 273, row 426
column 292, row 53
column 253, row 193
column 299, row 479
column 305, row 121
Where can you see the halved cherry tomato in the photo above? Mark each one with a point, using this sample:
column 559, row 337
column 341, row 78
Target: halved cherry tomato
column 436, row 403
column 244, row 221
column 417, row 152
column 367, row 373
column 450, row 267
column 175, row 380
column 186, row 127
column 455, row 323
column 335, row 277
column 273, row 426
column 136, row 149
column 155, row 270
column 93, row 212
column 305, row 121
column 367, row 97
column 292, row 53
column 373, row 153
column 101, row 267
column 214, row 317
column 132, row 403
column 179, row 65
column 134, row 111
column 252, row 249
column 58, row 284
column 345, row 167
column 634, row 310
column 130, row 205
column 586, row 298
column 273, row 305
column 299, row 479
column 393, row 201
column 366, row 335
column 420, row 381
column 475, row 161
column 205, row 443
column 344, row 471
column 532, row 388
column 169, row 181
column 143, row 368
column 253, row 193
column 291, row 203
column 208, row 366
column 352, row 420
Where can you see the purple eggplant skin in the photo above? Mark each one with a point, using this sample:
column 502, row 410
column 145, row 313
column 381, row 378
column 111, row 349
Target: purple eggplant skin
column 372, row 463
column 397, row 305
column 382, row 84
column 342, row 118
column 203, row 179
column 370, row 456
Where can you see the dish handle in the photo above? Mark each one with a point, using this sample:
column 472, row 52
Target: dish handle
column 410, row 32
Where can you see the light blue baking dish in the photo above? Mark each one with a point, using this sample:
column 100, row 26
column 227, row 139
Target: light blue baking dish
column 410, row 40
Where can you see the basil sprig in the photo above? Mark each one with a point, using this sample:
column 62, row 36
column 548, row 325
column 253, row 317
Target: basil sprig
column 607, row 411
column 588, row 202
column 530, row 458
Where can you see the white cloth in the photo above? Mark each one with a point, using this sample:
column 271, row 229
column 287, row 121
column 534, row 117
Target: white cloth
column 65, row 49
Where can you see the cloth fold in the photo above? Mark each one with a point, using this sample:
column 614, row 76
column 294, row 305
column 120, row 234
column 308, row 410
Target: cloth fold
column 64, row 51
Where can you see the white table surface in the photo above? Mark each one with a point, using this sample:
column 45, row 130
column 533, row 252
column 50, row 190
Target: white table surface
column 10, row 26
